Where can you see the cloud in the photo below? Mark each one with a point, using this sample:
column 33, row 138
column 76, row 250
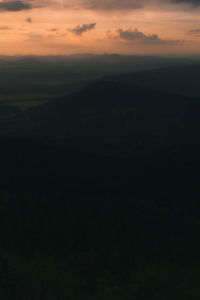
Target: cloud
column 125, row 5
column 5, row 27
column 96, row 5
column 80, row 29
column 191, row 2
column 17, row 5
column 134, row 35
column 111, row 4
column 29, row 20
column 53, row 29
column 194, row 32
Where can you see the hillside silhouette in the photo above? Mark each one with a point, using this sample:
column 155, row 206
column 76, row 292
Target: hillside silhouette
column 120, row 115
column 182, row 80
column 99, row 195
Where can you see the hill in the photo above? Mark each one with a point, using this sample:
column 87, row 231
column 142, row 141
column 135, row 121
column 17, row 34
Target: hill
column 99, row 196
column 182, row 80
column 27, row 81
column 120, row 116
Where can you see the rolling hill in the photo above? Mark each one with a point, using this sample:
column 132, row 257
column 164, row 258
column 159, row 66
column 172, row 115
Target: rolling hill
column 119, row 115
column 182, row 80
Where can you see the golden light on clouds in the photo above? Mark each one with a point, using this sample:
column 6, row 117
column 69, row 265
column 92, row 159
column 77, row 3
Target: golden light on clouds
column 59, row 27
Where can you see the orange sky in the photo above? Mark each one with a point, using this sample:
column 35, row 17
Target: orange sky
column 65, row 27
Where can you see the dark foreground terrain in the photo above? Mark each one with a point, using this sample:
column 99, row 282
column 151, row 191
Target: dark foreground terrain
column 99, row 195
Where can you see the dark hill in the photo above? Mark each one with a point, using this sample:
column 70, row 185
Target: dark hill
column 120, row 114
column 82, row 225
column 183, row 80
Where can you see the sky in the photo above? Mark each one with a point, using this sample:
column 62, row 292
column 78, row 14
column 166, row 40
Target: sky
column 54, row 27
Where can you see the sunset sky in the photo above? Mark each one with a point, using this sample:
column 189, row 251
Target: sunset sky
column 100, row 26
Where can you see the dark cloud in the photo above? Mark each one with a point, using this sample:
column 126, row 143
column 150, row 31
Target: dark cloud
column 53, row 29
column 111, row 4
column 192, row 2
column 98, row 5
column 14, row 5
column 122, row 5
column 29, row 20
column 134, row 35
column 194, row 32
column 80, row 29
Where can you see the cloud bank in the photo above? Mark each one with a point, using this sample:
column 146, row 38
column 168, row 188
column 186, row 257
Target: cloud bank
column 111, row 5
column 98, row 5
column 17, row 5
column 122, row 5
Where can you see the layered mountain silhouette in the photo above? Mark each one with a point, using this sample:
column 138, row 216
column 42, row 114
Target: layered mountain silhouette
column 125, row 113
column 182, row 80
column 119, row 113
column 99, row 192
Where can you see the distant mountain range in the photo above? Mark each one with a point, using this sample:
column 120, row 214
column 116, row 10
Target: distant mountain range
column 123, row 114
column 107, row 63
column 28, row 81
